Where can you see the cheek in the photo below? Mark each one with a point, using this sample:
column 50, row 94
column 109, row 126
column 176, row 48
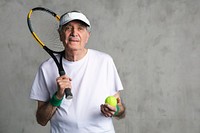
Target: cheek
column 63, row 37
column 87, row 38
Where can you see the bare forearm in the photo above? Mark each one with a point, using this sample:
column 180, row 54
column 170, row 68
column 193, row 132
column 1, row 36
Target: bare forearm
column 44, row 113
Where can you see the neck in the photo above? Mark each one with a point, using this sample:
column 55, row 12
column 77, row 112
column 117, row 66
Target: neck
column 75, row 55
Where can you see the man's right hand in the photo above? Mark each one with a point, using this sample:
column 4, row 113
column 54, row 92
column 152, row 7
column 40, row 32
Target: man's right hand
column 63, row 82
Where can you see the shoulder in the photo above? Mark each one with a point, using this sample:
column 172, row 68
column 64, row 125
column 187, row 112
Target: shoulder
column 100, row 55
column 48, row 68
column 47, row 64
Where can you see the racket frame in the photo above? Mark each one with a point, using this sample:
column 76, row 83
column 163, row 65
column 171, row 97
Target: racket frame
column 49, row 51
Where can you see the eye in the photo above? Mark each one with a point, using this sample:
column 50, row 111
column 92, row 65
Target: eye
column 67, row 28
column 80, row 28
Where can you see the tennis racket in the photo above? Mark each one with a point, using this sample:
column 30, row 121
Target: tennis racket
column 43, row 25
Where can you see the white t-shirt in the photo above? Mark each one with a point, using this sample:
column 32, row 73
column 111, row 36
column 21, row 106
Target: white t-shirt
column 94, row 77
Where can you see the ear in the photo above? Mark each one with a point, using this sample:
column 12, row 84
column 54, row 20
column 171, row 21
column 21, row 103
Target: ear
column 88, row 36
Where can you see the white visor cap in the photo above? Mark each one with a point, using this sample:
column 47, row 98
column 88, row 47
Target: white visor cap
column 74, row 15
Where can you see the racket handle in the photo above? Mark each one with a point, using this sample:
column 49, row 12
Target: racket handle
column 68, row 93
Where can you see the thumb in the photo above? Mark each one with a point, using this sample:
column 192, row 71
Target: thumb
column 118, row 100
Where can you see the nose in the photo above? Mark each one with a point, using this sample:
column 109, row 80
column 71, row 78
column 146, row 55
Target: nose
column 73, row 32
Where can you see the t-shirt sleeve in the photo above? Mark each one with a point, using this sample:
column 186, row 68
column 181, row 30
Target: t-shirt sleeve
column 39, row 89
column 115, row 82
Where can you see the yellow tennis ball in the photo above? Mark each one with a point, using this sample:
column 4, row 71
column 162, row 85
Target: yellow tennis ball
column 111, row 100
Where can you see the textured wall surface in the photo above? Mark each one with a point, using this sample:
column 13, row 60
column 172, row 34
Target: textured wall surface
column 155, row 45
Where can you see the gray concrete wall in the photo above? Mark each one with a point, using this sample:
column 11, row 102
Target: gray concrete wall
column 154, row 43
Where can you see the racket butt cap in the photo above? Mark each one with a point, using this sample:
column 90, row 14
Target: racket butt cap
column 69, row 97
column 68, row 94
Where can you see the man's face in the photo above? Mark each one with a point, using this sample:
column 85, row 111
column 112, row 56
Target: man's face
column 74, row 35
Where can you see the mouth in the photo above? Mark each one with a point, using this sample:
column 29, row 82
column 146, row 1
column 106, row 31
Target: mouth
column 73, row 39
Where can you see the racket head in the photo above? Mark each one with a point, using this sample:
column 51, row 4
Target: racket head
column 43, row 25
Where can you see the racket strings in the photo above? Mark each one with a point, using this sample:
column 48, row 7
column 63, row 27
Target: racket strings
column 46, row 28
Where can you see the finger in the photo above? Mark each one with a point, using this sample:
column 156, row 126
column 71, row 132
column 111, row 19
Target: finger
column 118, row 100
column 64, row 77
column 106, row 111
column 63, row 85
column 111, row 108
column 103, row 110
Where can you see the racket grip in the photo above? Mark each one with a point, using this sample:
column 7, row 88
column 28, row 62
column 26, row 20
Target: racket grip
column 68, row 93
